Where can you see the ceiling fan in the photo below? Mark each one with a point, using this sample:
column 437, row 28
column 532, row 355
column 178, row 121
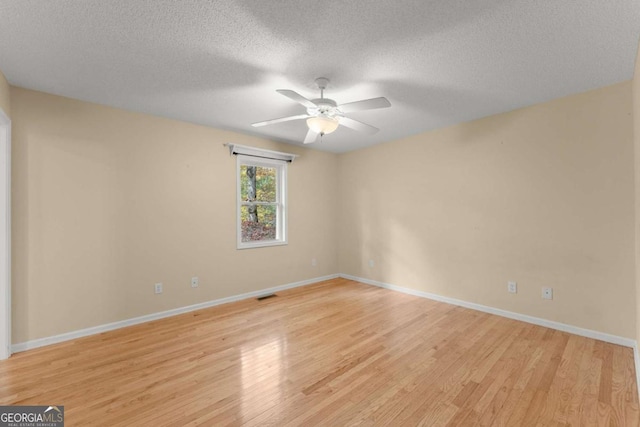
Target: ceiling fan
column 324, row 115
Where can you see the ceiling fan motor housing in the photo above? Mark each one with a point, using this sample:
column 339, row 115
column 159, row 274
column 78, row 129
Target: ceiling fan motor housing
column 324, row 107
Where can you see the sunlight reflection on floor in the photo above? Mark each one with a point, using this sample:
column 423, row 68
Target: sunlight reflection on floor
column 262, row 374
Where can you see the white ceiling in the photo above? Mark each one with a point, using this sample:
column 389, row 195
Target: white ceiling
column 218, row 63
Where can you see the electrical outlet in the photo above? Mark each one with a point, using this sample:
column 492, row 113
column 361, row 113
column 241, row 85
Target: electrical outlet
column 195, row 282
column 158, row 288
column 371, row 263
column 512, row 287
column 547, row 293
column 314, row 262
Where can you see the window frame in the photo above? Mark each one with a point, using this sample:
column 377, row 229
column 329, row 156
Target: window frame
column 281, row 200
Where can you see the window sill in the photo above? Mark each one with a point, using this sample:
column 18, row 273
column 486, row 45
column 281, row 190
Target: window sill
column 265, row 244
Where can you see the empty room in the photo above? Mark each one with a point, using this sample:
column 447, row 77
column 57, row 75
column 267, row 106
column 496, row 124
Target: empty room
column 298, row 213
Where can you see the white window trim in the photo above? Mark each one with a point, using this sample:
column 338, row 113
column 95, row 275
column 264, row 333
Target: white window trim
column 5, row 236
column 281, row 199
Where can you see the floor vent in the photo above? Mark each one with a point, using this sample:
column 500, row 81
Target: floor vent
column 260, row 298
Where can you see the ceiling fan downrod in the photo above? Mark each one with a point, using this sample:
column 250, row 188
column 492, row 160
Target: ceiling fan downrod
column 322, row 83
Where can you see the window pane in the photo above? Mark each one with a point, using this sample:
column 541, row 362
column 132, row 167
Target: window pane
column 258, row 223
column 261, row 202
column 258, row 183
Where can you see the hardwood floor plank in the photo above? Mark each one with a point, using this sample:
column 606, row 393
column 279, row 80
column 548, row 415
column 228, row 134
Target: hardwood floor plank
column 604, row 394
column 568, row 376
column 624, row 394
column 333, row 353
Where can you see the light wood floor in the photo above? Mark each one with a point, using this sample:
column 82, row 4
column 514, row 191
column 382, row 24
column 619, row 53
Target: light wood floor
column 332, row 354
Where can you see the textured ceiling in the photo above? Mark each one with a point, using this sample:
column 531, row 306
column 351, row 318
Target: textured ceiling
column 218, row 63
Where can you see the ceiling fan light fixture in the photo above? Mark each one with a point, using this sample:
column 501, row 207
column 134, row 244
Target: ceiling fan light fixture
column 322, row 125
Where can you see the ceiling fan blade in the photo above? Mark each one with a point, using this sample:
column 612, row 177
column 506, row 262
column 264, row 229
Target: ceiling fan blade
column 356, row 125
column 280, row 120
column 311, row 137
column 365, row 104
column 297, row 97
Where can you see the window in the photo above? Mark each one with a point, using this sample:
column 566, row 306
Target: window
column 262, row 195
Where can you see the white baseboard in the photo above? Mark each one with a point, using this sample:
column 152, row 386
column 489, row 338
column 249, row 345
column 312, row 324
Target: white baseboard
column 614, row 339
column 40, row 342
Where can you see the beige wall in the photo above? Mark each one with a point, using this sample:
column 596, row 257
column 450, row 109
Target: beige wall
column 5, row 104
column 108, row 202
column 542, row 195
column 636, row 140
